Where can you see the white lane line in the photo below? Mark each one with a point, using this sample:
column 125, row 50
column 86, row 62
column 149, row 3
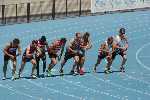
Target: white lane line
column 54, row 90
column 135, row 78
column 106, row 93
column 147, row 57
column 114, row 84
column 137, row 54
column 120, row 86
column 91, row 89
column 16, row 91
column 130, row 89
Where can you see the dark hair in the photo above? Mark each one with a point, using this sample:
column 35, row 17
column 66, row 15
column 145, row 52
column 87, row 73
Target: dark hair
column 122, row 30
column 110, row 38
column 16, row 41
column 63, row 39
column 34, row 42
column 77, row 33
column 43, row 38
column 84, row 36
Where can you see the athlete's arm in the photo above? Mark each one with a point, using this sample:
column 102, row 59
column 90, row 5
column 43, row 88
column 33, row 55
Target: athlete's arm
column 113, row 48
column 19, row 51
column 28, row 52
column 46, row 44
column 5, row 51
column 62, row 50
column 126, row 44
column 102, row 48
column 89, row 46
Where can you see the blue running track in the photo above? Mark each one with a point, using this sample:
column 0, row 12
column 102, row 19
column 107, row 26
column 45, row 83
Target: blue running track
column 134, row 84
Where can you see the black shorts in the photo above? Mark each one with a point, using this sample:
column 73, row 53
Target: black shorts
column 6, row 58
column 43, row 57
column 102, row 56
column 118, row 52
column 26, row 59
column 81, row 53
column 52, row 55
column 69, row 55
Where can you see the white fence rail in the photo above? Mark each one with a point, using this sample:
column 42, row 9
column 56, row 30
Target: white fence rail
column 114, row 5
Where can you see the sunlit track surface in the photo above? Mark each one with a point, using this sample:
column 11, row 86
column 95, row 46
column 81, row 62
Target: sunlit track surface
column 134, row 84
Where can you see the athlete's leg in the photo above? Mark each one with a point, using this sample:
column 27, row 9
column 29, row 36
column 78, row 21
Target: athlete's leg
column 52, row 64
column 81, row 63
column 33, row 61
column 76, row 62
column 23, row 62
column 44, row 63
column 109, row 63
column 62, row 65
column 5, row 68
column 124, row 59
column 37, row 65
column 66, row 57
column 14, row 69
column 99, row 59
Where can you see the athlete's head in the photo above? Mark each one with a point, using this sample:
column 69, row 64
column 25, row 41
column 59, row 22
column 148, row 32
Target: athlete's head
column 34, row 43
column 110, row 40
column 43, row 38
column 16, row 42
column 86, row 35
column 63, row 40
column 78, row 35
column 122, row 31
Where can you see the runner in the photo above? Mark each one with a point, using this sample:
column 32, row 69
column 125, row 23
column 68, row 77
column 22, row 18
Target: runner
column 53, row 50
column 28, row 56
column 72, row 52
column 10, row 55
column 121, row 47
column 42, row 47
column 105, row 51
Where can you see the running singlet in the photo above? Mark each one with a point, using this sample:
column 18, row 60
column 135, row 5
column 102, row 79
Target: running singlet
column 85, row 43
column 55, row 47
column 12, row 50
column 32, row 50
column 106, row 47
column 73, row 44
column 41, row 44
column 41, row 47
column 120, row 42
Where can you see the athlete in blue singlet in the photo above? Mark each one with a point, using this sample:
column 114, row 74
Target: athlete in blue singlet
column 10, row 54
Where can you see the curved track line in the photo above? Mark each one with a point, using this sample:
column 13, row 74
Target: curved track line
column 118, row 85
column 138, row 60
column 144, row 36
column 114, row 84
